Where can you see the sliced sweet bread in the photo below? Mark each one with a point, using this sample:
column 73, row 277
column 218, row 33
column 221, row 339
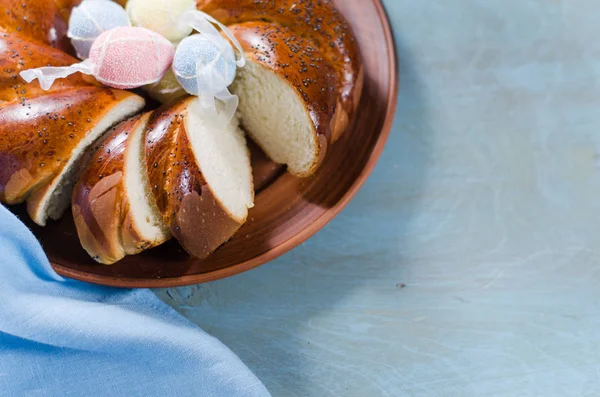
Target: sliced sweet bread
column 322, row 26
column 81, row 116
column 287, row 108
column 43, row 138
column 44, row 133
column 113, row 205
column 200, row 173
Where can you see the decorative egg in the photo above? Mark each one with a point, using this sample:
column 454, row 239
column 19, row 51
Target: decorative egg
column 92, row 18
column 131, row 57
column 167, row 90
column 162, row 16
column 124, row 58
column 203, row 66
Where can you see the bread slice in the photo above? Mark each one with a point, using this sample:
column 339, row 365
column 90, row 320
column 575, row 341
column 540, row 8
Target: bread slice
column 315, row 34
column 54, row 198
column 287, row 108
column 113, row 206
column 303, row 26
column 199, row 168
column 276, row 119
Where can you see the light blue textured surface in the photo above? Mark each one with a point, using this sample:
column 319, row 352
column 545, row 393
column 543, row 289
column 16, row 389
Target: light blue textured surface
column 470, row 263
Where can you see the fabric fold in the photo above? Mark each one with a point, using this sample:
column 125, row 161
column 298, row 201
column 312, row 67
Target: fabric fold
column 63, row 337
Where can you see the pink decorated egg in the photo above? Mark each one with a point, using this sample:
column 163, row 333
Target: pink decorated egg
column 130, row 57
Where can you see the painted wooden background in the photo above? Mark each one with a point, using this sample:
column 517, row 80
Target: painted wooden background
column 470, row 263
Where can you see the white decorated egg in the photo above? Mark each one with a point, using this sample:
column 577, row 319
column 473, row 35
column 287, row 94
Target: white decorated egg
column 92, row 18
column 204, row 67
column 161, row 16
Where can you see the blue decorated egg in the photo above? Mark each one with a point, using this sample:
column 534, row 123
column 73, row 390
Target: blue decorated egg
column 92, row 18
column 204, row 67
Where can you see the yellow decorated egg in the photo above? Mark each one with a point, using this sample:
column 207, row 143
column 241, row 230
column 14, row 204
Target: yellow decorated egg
column 161, row 16
column 167, row 90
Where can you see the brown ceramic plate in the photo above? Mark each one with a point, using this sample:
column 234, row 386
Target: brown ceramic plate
column 288, row 211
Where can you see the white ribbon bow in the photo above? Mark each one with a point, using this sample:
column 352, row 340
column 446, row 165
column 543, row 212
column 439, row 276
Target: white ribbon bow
column 214, row 83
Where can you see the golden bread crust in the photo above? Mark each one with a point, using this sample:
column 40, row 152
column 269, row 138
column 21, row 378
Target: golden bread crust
column 196, row 218
column 101, row 204
column 320, row 23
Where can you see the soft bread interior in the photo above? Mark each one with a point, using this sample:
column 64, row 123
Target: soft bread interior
column 224, row 160
column 54, row 199
column 275, row 117
column 146, row 216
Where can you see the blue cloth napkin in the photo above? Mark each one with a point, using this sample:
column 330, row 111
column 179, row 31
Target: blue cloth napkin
column 60, row 337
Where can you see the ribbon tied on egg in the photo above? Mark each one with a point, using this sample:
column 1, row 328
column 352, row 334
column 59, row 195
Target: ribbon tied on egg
column 123, row 56
column 205, row 64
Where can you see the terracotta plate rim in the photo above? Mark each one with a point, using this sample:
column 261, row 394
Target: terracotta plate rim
column 293, row 242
